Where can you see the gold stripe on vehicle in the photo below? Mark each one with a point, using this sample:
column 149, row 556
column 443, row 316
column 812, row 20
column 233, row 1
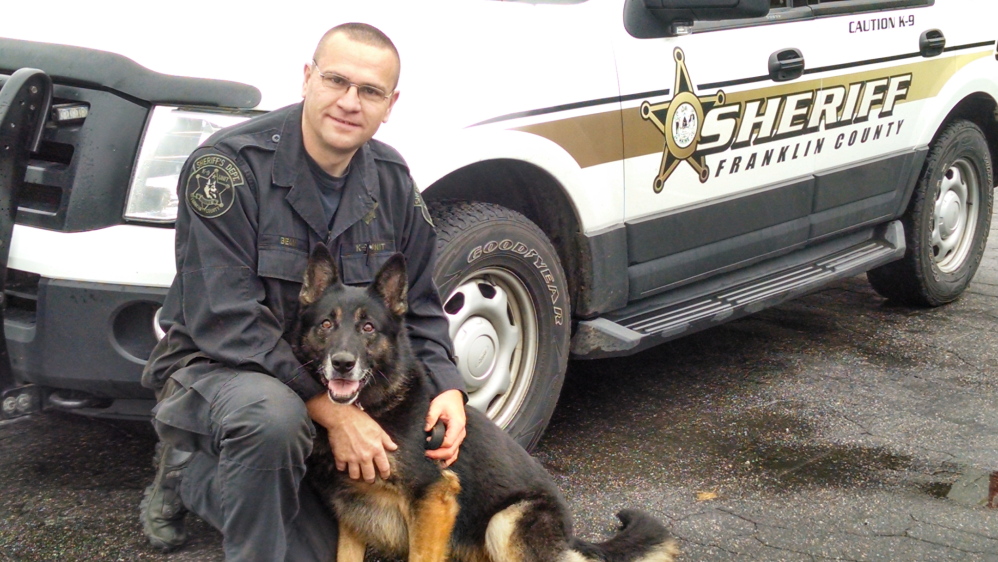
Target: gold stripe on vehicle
column 595, row 139
column 590, row 139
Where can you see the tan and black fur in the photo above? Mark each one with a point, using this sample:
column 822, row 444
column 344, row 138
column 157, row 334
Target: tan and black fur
column 495, row 504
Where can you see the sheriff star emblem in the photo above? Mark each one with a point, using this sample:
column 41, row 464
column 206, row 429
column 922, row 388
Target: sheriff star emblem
column 680, row 120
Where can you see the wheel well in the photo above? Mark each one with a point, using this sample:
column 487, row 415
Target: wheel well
column 530, row 191
column 983, row 110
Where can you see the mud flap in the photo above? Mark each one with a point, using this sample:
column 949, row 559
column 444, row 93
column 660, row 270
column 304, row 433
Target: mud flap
column 25, row 101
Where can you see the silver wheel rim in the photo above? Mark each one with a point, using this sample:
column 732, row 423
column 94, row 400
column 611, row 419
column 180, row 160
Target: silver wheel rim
column 494, row 328
column 954, row 217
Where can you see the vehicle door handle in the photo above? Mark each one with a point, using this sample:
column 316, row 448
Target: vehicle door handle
column 931, row 43
column 787, row 64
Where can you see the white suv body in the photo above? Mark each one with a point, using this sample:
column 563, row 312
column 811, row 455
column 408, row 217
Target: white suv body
column 615, row 173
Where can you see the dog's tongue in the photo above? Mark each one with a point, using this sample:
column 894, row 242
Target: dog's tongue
column 343, row 388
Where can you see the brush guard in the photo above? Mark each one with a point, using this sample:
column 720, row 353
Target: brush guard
column 25, row 101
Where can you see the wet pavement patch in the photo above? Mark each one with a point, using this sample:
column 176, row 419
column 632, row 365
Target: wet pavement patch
column 772, row 447
column 825, row 464
column 726, row 429
column 782, row 450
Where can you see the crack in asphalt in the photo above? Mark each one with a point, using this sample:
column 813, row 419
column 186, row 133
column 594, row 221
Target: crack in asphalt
column 964, row 361
column 865, row 429
column 938, row 452
column 710, row 545
column 947, row 546
column 753, row 536
column 905, row 534
column 808, row 554
column 691, row 515
column 879, row 535
column 971, row 533
column 754, row 524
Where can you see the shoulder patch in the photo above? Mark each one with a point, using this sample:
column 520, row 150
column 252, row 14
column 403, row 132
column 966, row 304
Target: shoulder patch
column 421, row 205
column 211, row 187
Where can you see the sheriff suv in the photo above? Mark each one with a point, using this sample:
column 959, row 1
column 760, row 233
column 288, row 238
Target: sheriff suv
column 604, row 175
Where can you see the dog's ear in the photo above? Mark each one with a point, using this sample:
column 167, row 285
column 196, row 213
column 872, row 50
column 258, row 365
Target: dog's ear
column 392, row 285
column 319, row 275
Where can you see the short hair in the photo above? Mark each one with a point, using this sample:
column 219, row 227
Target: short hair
column 363, row 33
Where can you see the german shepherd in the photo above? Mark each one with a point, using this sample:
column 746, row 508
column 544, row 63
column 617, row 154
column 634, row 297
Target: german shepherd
column 494, row 504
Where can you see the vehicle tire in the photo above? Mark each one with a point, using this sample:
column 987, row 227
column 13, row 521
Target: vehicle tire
column 946, row 224
column 506, row 298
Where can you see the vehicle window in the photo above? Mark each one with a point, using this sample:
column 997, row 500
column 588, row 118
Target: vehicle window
column 782, row 11
column 834, row 7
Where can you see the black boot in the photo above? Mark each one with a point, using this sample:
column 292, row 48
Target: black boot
column 162, row 510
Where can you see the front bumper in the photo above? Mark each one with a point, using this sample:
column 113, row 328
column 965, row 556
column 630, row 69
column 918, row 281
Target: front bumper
column 79, row 314
column 85, row 342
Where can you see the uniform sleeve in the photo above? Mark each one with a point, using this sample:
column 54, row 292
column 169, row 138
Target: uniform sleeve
column 223, row 301
column 428, row 328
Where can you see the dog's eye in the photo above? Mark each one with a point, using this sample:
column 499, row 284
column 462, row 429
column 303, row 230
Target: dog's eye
column 368, row 328
column 327, row 324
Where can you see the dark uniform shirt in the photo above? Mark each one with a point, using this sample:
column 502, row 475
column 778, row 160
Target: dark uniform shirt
column 331, row 188
column 250, row 211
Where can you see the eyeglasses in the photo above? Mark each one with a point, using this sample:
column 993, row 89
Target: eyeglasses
column 342, row 84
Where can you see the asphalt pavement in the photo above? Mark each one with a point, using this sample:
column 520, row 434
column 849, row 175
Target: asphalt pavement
column 835, row 427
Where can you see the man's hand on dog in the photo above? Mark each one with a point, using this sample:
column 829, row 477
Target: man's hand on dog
column 448, row 407
column 360, row 446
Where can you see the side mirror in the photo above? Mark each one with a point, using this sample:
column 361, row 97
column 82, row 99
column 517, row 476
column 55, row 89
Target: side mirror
column 647, row 19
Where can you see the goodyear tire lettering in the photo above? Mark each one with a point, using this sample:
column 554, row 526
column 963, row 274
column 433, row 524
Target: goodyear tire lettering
column 527, row 253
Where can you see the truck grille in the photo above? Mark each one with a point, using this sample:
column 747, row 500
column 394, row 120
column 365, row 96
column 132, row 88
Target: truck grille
column 21, row 294
column 78, row 179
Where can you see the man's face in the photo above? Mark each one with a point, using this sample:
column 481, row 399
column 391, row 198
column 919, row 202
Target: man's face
column 336, row 123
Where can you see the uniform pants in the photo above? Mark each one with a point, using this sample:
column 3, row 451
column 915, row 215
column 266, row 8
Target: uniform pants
column 250, row 435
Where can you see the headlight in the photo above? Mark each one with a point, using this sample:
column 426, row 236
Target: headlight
column 170, row 137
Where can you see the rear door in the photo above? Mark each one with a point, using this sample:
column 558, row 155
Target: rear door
column 881, row 62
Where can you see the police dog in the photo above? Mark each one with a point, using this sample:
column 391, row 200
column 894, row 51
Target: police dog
column 495, row 504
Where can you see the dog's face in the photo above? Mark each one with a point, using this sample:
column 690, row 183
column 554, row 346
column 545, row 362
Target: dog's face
column 348, row 337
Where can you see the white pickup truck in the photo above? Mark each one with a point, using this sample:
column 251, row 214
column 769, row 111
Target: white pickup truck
column 604, row 175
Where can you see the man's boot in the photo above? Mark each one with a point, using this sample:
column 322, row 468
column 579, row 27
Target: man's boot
column 162, row 510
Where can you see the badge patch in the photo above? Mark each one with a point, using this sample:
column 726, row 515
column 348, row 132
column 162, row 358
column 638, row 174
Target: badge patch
column 372, row 214
column 422, row 206
column 211, row 185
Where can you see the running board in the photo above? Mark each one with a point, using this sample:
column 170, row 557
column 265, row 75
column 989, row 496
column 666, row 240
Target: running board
column 647, row 323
